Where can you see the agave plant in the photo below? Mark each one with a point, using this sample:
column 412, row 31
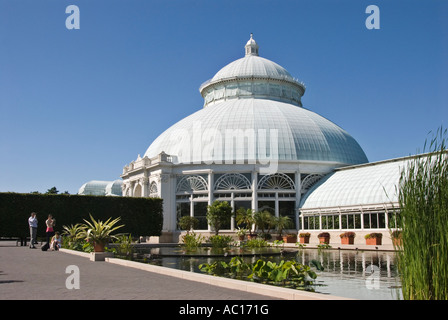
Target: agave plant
column 98, row 232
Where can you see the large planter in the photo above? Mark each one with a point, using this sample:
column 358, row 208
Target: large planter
column 348, row 237
column 99, row 246
column 374, row 241
column 304, row 239
column 347, row 240
column 290, row 239
column 324, row 238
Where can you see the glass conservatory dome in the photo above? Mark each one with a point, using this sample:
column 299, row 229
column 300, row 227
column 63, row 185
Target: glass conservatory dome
column 254, row 99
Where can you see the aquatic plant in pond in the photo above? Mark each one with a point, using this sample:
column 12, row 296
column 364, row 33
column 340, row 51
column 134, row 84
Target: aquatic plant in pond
column 192, row 241
column 289, row 273
column 423, row 218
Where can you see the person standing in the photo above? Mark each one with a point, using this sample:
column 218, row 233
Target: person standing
column 50, row 222
column 32, row 222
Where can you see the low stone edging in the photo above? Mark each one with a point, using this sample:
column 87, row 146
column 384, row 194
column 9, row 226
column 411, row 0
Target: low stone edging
column 258, row 288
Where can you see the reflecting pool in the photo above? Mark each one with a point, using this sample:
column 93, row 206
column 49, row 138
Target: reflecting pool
column 354, row 274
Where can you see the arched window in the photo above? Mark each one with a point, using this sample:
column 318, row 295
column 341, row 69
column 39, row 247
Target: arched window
column 153, row 190
column 277, row 181
column 232, row 181
column 192, row 183
column 309, row 181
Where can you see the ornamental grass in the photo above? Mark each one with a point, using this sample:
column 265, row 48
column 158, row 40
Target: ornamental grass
column 423, row 217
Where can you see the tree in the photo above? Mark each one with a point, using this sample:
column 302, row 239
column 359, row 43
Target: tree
column 218, row 214
column 188, row 223
column 245, row 217
column 281, row 223
column 264, row 220
column 52, row 191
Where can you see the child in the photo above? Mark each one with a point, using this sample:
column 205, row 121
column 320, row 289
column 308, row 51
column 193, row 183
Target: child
column 56, row 241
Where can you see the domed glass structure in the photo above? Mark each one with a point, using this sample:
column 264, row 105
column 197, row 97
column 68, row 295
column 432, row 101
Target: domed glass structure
column 252, row 144
column 250, row 99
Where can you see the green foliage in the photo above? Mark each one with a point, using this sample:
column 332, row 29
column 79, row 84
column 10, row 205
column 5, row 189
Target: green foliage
column 285, row 273
column 264, row 221
column 281, row 223
column 245, row 218
column 323, row 246
column 218, row 214
column 192, row 241
column 96, row 231
column 422, row 255
column 373, row 235
column 188, row 223
column 220, row 241
column 141, row 216
column 52, row 190
column 256, row 243
column 125, row 248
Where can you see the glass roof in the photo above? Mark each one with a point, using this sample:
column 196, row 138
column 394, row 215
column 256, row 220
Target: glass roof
column 101, row 188
column 373, row 183
column 302, row 134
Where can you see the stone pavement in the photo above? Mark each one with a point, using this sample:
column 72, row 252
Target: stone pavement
column 32, row 274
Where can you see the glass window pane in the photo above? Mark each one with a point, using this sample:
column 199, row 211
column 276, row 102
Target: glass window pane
column 200, row 213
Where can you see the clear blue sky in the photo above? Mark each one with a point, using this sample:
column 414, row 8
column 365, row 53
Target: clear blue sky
column 78, row 105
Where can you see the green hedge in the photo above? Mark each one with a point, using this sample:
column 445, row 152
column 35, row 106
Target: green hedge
column 141, row 216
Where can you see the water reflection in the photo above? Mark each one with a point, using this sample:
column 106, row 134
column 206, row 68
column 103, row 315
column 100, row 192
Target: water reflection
column 347, row 273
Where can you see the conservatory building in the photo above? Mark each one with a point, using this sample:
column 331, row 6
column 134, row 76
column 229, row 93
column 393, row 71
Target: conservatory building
column 253, row 144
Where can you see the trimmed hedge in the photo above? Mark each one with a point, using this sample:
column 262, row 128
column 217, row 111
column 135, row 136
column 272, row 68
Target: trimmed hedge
column 140, row 216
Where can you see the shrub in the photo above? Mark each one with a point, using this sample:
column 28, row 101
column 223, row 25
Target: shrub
column 219, row 241
column 141, row 216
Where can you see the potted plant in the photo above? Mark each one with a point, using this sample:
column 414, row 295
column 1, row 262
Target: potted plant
column 347, row 237
column 290, row 238
column 304, row 237
column 374, row 238
column 324, row 238
column 396, row 237
column 241, row 232
column 99, row 233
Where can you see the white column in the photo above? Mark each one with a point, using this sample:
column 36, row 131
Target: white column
column 298, row 183
column 211, row 184
column 254, row 191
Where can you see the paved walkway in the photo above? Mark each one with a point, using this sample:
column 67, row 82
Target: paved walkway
column 32, row 274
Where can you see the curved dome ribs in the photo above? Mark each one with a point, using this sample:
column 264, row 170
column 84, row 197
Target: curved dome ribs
column 254, row 97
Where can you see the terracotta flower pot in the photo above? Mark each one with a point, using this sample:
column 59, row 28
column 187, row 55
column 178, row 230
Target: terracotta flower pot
column 304, row 239
column 324, row 240
column 290, row 239
column 98, row 246
column 347, row 240
column 374, row 241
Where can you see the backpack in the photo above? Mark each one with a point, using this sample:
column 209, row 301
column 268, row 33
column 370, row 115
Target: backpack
column 45, row 247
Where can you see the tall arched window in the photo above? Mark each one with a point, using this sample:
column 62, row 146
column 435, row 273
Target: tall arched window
column 153, row 190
